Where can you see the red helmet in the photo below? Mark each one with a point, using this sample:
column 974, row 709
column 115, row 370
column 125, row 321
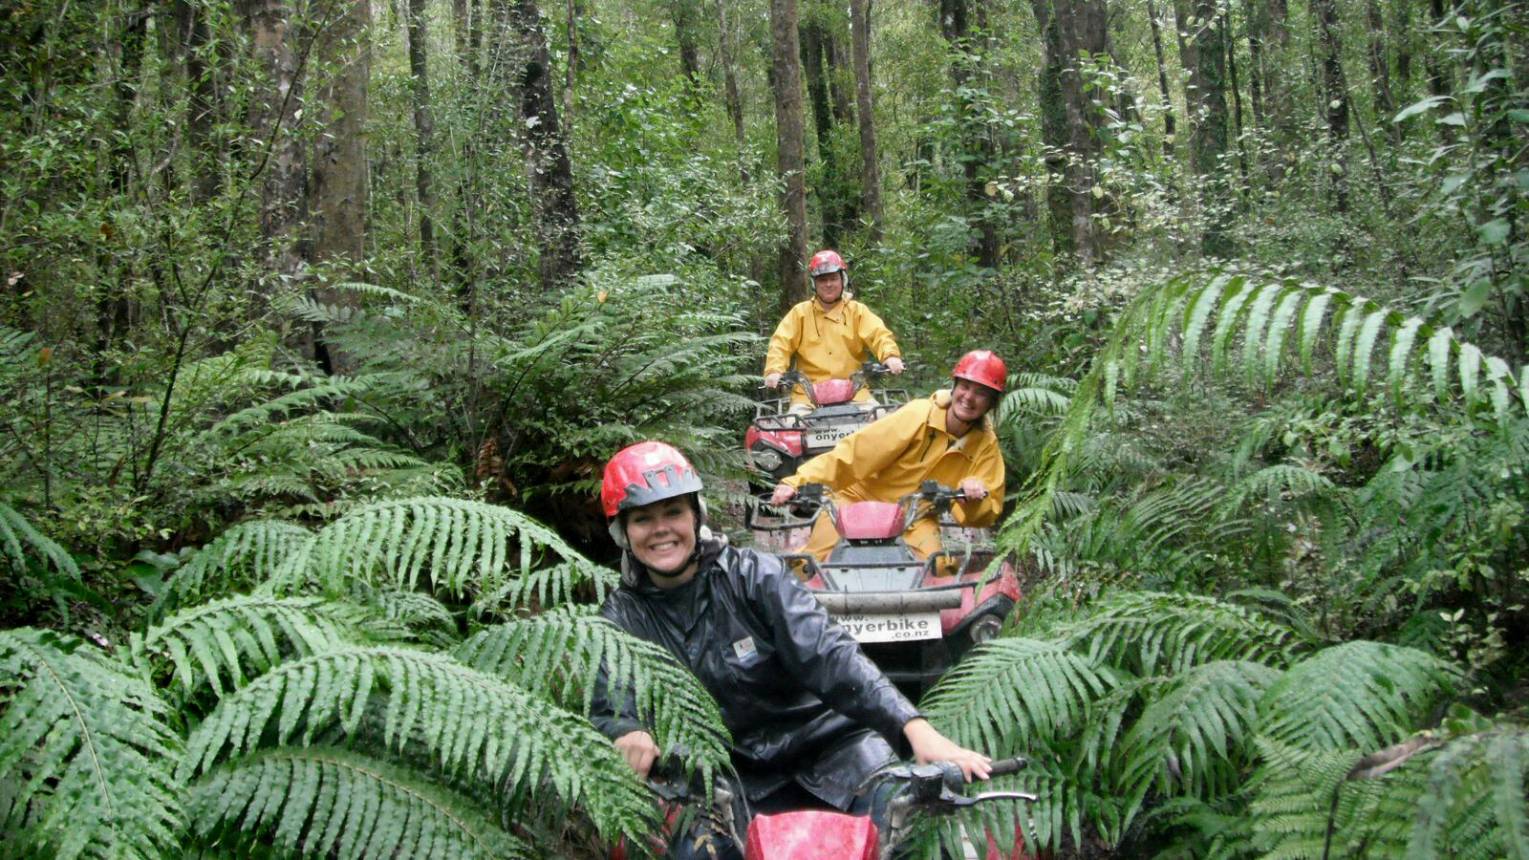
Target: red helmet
column 983, row 367
column 645, row 473
column 826, row 262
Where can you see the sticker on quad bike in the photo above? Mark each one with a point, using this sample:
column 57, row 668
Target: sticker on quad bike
column 903, row 627
column 830, row 435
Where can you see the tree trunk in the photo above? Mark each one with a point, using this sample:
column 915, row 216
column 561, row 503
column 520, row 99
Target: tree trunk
column 1335, row 90
column 686, row 14
column 1255, row 62
column 1380, row 72
column 955, row 26
column 424, row 132
column 1162, row 78
column 1202, row 45
column 840, row 81
column 553, row 205
column 1402, row 37
column 193, row 37
column 831, row 191
column 570, row 74
column 731, row 98
column 870, row 165
column 1054, row 127
column 339, row 189
column 787, row 84
column 1275, row 41
column 1231, row 68
column 273, row 114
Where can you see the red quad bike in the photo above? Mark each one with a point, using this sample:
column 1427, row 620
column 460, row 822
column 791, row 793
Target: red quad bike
column 914, row 622
column 900, row 794
column 779, row 440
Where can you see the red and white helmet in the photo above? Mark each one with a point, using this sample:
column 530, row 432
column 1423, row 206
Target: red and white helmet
column 983, row 367
column 826, row 262
column 644, row 473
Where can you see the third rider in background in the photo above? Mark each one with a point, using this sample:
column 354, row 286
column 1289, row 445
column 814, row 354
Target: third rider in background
column 829, row 334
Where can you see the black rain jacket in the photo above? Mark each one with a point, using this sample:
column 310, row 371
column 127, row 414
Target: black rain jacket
column 795, row 690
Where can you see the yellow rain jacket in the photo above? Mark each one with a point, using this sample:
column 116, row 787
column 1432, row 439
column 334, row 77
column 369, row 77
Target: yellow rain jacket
column 889, row 458
column 828, row 344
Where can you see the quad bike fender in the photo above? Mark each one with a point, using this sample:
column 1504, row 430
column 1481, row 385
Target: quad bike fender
column 811, row 834
column 980, row 596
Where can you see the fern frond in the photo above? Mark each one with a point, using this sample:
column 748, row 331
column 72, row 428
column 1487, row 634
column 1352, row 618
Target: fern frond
column 461, row 546
column 325, row 801
column 560, row 654
column 85, row 752
column 1474, row 798
column 1014, row 688
column 1358, row 694
column 1151, row 633
column 1188, row 740
column 547, row 587
column 241, row 557
column 209, row 641
column 1282, row 480
column 475, row 726
column 17, row 535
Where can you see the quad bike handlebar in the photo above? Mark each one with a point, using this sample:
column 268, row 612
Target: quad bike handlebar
column 871, row 370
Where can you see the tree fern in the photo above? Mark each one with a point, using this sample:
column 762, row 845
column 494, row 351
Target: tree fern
column 1189, row 739
column 1474, row 799
column 333, row 802
column 85, row 752
column 211, row 641
column 549, row 586
column 242, row 557
column 17, row 536
column 560, row 654
column 1012, row 689
column 1152, row 633
column 454, row 545
column 473, row 726
column 1359, row 694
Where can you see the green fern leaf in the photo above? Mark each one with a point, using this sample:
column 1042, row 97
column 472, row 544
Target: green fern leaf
column 460, row 545
column 1311, row 325
column 1015, row 688
column 542, row 653
column 1402, row 340
column 208, row 641
column 1256, row 326
column 1364, row 348
column 473, row 725
column 1200, row 723
column 1438, row 361
column 1470, row 371
column 1150, row 633
column 17, row 535
column 1235, row 298
column 242, row 557
column 85, row 752
column 1196, row 318
column 1279, row 328
column 1356, row 695
column 324, row 801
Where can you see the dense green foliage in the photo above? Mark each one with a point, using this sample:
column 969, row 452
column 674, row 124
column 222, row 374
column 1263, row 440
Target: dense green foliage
column 302, row 544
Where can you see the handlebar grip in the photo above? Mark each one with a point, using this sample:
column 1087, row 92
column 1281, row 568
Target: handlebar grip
column 1004, row 767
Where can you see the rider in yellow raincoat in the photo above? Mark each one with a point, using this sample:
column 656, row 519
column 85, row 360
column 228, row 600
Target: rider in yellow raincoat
column 829, row 334
column 947, row 437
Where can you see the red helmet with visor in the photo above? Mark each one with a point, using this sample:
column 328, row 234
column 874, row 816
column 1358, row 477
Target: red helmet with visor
column 645, row 473
column 983, row 367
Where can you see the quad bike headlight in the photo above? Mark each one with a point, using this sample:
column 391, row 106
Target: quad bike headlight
column 985, row 629
column 766, row 460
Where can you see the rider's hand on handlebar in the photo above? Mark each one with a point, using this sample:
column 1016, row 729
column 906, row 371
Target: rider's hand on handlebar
column 772, row 380
column 929, row 745
column 783, row 493
column 894, row 364
column 973, row 489
column 639, row 750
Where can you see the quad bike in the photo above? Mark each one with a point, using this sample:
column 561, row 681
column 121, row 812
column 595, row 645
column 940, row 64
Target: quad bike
column 914, row 618
column 779, row 440
column 900, row 793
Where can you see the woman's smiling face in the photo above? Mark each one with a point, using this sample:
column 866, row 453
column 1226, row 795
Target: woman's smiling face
column 662, row 536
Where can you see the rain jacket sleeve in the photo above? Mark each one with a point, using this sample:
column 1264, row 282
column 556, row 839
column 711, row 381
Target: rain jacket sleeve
column 875, row 334
column 823, row 656
column 987, row 464
column 866, row 451
column 784, row 342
